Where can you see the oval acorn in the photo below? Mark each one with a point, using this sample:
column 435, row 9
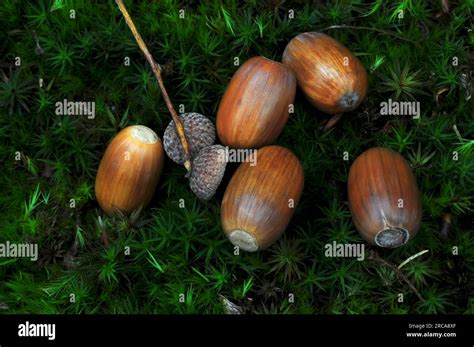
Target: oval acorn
column 199, row 131
column 331, row 77
column 255, row 105
column 130, row 170
column 383, row 198
column 260, row 200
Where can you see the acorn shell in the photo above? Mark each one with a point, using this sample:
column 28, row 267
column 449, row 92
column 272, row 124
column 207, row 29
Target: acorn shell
column 384, row 198
column 129, row 170
column 331, row 77
column 207, row 171
column 260, row 200
column 255, row 105
column 199, row 131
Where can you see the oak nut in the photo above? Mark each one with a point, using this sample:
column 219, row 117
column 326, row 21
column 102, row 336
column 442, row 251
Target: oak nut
column 129, row 170
column 261, row 199
column 255, row 106
column 199, row 132
column 383, row 198
column 331, row 77
column 207, row 171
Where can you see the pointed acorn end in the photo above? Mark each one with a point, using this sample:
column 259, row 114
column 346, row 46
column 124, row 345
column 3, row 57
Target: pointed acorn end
column 349, row 101
column 392, row 237
column 144, row 134
column 244, row 240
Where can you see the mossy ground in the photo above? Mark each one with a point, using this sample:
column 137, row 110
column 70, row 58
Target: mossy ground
column 177, row 250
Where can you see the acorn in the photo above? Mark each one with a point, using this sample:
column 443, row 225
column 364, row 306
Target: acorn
column 255, row 106
column 331, row 77
column 383, row 198
column 260, row 200
column 207, row 171
column 199, row 131
column 129, row 170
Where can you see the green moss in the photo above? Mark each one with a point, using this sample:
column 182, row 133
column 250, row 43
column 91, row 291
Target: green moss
column 175, row 250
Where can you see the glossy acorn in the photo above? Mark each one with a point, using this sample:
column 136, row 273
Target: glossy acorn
column 260, row 200
column 129, row 170
column 331, row 77
column 384, row 198
column 255, row 106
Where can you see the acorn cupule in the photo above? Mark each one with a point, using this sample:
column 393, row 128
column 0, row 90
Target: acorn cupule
column 207, row 171
column 199, row 131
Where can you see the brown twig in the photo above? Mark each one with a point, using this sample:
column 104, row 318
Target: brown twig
column 104, row 238
column 445, row 6
column 375, row 256
column 332, row 121
column 446, row 220
column 157, row 71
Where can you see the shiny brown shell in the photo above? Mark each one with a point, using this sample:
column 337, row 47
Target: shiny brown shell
column 261, row 199
column 383, row 198
column 331, row 77
column 129, row 170
column 256, row 103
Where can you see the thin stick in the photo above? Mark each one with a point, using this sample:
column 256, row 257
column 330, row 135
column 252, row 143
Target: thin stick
column 332, row 121
column 157, row 71
column 373, row 29
column 411, row 258
column 377, row 257
column 458, row 134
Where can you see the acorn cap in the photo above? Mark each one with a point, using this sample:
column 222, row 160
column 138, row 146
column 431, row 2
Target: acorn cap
column 207, row 171
column 199, row 131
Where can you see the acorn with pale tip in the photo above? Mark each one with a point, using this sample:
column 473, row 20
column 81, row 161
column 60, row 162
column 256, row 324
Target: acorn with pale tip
column 384, row 199
column 260, row 200
column 129, row 170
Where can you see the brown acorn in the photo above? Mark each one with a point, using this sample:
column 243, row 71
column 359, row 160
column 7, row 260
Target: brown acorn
column 384, row 198
column 130, row 170
column 260, row 200
column 199, row 131
column 255, row 105
column 331, row 77
column 207, row 171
